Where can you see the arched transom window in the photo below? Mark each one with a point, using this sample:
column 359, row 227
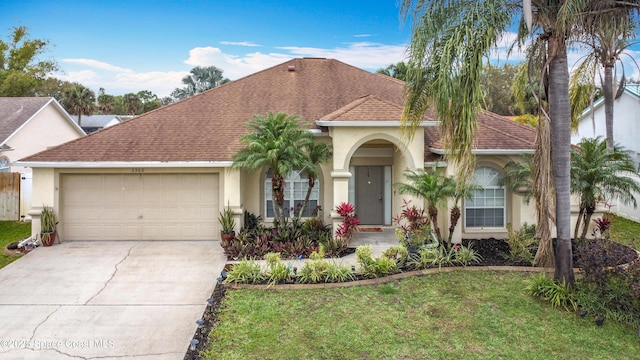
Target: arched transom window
column 486, row 208
column 296, row 185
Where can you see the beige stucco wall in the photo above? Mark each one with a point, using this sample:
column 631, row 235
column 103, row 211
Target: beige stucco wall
column 46, row 129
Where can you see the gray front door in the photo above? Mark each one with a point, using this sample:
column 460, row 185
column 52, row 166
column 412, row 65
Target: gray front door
column 369, row 191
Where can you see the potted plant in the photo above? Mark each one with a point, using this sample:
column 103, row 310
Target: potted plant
column 227, row 224
column 48, row 222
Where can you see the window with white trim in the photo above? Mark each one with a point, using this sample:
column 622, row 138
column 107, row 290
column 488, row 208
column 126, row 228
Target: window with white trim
column 486, row 208
column 4, row 164
column 295, row 190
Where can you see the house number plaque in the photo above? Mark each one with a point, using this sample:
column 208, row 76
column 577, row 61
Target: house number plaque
column 137, row 170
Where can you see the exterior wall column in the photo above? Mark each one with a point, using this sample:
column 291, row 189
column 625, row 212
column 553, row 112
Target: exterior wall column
column 230, row 195
column 45, row 193
column 340, row 181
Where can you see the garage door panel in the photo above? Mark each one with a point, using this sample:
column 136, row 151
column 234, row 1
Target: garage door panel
column 139, row 207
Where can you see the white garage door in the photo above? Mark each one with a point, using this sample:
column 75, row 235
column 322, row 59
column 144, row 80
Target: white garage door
column 139, row 207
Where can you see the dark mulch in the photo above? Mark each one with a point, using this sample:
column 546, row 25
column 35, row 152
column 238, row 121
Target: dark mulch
column 494, row 251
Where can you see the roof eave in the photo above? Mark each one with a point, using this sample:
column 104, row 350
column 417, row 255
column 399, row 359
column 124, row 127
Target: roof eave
column 490, row 151
column 395, row 123
column 122, row 164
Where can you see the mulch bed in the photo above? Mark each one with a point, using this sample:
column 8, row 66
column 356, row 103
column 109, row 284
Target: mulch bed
column 493, row 253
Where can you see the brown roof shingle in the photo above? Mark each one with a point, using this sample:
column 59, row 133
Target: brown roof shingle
column 494, row 132
column 208, row 126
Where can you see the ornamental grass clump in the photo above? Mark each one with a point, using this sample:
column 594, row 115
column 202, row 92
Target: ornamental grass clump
column 375, row 267
column 245, row 272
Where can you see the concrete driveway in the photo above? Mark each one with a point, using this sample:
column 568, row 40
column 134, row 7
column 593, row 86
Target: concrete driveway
column 129, row 299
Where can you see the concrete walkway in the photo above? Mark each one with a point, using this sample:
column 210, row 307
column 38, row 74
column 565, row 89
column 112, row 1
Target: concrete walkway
column 125, row 300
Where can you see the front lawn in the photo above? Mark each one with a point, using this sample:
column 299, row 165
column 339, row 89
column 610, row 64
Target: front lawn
column 11, row 231
column 463, row 314
column 626, row 232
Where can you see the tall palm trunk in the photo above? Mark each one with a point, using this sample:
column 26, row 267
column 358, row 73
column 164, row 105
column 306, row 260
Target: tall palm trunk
column 578, row 222
column 312, row 183
column 560, row 112
column 277, row 192
column 453, row 220
column 543, row 193
column 607, row 91
column 589, row 210
column 433, row 216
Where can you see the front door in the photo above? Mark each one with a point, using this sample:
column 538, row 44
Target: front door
column 369, row 194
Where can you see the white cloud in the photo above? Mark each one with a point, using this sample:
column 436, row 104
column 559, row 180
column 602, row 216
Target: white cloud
column 362, row 35
column 238, row 43
column 364, row 55
column 117, row 80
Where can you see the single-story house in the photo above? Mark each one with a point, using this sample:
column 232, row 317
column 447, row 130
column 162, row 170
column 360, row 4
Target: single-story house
column 166, row 174
column 92, row 123
column 626, row 121
column 29, row 125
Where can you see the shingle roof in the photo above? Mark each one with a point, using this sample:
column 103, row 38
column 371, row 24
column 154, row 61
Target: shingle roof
column 15, row 111
column 367, row 108
column 208, row 126
column 495, row 132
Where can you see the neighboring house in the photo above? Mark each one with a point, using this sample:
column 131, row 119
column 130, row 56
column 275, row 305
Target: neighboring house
column 626, row 127
column 167, row 174
column 92, row 123
column 626, row 121
column 29, row 125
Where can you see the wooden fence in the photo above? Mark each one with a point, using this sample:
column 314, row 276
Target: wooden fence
column 9, row 196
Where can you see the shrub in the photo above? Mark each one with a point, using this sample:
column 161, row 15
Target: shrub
column 245, row 272
column 277, row 271
column 377, row 267
column 317, row 270
column 349, row 222
column 557, row 294
column 413, row 226
column 465, row 255
column 521, row 243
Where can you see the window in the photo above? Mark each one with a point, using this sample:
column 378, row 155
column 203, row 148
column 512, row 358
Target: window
column 4, row 164
column 486, row 208
column 295, row 190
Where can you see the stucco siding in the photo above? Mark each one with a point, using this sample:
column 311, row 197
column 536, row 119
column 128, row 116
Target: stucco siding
column 46, row 129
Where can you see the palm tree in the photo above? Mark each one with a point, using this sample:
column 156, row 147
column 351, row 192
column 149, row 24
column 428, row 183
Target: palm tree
column 397, row 71
column 597, row 174
column 608, row 26
column 317, row 153
column 201, row 79
column 79, row 100
column 433, row 187
column 450, row 41
column 275, row 141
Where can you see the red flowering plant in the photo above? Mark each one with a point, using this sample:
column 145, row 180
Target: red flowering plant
column 413, row 226
column 349, row 221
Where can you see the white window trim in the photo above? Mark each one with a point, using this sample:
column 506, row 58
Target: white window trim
column 487, row 229
column 289, row 189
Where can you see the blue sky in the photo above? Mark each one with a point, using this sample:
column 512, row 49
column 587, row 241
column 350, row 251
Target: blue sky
column 128, row 46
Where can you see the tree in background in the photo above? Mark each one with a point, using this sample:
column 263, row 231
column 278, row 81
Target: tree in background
column 201, row 79
column 21, row 72
column 131, row 104
column 79, row 100
column 398, row 71
column 105, row 102
column 608, row 29
column 496, row 82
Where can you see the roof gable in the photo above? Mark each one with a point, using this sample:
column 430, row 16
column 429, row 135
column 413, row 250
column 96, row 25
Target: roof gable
column 16, row 111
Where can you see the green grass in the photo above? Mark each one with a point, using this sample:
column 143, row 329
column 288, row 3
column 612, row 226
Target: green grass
column 464, row 314
column 626, row 232
column 11, row 231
